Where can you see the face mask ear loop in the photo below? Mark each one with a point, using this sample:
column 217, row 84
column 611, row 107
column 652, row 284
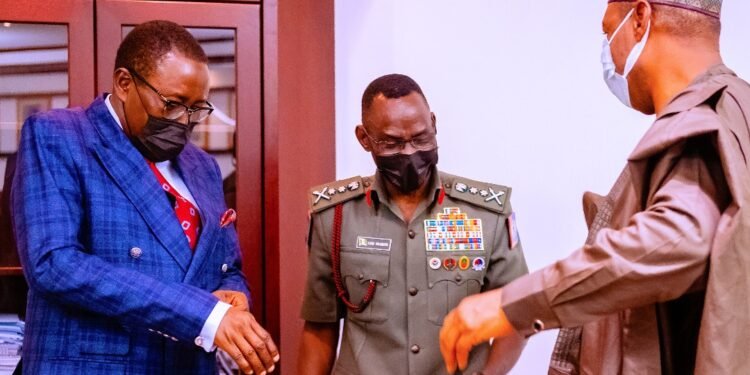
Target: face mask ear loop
column 609, row 41
column 124, row 113
column 633, row 58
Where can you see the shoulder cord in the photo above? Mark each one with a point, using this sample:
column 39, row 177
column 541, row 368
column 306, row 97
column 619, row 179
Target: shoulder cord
column 336, row 264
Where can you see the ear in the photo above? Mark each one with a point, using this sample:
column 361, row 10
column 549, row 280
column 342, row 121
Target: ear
column 641, row 18
column 362, row 137
column 434, row 122
column 122, row 83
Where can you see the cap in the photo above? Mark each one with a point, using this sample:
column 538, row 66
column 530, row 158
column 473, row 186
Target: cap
column 708, row 7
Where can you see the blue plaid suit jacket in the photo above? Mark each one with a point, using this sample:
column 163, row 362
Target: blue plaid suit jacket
column 83, row 197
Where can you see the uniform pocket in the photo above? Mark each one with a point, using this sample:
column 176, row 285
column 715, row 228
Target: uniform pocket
column 357, row 269
column 448, row 288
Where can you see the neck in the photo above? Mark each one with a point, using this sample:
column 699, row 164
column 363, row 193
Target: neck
column 119, row 108
column 407, row 203
column 678, row 67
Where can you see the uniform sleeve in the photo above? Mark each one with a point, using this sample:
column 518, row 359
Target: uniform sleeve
column 320, row 304
column 505, row 263
column 657, row 256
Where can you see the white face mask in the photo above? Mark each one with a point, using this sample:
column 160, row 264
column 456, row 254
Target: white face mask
column 618, row 83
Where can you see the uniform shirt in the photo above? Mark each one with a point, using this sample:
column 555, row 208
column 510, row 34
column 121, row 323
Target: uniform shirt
column 397, row 333
column 206, row 338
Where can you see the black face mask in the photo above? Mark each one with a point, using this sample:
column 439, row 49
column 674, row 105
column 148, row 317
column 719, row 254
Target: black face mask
column 407, row 172
column 162, row 139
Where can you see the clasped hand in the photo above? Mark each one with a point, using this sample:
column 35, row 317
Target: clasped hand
column 241, row 336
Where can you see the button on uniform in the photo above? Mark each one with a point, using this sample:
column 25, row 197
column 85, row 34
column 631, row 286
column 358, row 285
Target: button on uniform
column 413, row 291
column 224, row 267
column 412, row 233
column 136, row 252
column 199, row 341
column 415, row 349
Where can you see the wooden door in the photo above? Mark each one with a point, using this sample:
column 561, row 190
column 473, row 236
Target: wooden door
column 46, row 61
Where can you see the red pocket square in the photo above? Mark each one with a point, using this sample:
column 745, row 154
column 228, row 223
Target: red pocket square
column 228, row 217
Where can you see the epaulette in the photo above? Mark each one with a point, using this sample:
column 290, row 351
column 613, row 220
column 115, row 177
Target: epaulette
column 489, row 196
column 328, row 195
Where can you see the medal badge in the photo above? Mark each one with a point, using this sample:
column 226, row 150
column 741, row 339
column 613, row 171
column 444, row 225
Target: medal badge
column 453, row 230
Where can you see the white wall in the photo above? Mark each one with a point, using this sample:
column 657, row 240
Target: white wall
column 518, row 92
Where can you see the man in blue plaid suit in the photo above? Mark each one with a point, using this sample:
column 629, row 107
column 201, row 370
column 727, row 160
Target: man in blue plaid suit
column 117, row 284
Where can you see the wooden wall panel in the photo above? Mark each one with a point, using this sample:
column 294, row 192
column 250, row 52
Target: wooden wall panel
column 299, row 148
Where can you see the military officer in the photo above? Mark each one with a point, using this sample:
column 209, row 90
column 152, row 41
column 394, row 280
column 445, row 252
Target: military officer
column 393, row 253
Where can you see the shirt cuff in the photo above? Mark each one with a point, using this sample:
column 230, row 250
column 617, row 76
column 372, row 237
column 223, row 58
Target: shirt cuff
column 208, row 333
column 526, row 306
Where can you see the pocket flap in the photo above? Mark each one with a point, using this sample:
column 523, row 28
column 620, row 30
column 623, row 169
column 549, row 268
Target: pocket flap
column 456, row 275
column 364, row 266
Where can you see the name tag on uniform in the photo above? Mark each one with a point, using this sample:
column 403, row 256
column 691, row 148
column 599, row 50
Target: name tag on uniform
column 452, row 230
column 373, row 243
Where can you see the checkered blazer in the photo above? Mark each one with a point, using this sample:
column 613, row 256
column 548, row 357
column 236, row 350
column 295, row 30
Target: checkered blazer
column 83, row 198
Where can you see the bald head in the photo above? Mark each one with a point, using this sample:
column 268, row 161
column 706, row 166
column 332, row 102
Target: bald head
column 682, row 22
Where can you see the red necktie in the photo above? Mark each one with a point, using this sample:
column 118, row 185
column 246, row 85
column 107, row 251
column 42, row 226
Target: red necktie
column 187, row 214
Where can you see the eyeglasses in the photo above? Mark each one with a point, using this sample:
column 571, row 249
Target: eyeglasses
column 173, row 110
column 392, row 147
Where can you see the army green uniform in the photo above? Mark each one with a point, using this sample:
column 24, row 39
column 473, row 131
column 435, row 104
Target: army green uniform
column 398, row 332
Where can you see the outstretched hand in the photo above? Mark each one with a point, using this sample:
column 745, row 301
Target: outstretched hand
column 475, row 320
